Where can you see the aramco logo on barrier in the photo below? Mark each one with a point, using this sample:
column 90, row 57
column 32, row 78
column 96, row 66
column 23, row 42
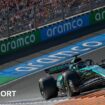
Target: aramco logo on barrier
column 99, row 16
column 18, row 42
column 65, row 27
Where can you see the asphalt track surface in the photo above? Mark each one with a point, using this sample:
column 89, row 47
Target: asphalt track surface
column 27, row 88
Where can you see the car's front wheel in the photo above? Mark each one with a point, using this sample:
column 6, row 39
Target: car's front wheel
column 48, row 88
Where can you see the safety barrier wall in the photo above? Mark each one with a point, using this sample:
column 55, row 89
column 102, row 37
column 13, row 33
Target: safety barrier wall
column 73, row 24
column 45, row 33
column 64, row 27
column 13, row 44
column 97, row 16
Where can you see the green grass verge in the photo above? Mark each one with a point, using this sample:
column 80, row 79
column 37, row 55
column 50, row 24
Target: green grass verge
column 5, row 79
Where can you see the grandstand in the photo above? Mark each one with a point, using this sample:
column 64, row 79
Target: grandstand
column 21, row 15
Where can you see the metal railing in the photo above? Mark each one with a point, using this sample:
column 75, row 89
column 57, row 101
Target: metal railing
column 13, row 22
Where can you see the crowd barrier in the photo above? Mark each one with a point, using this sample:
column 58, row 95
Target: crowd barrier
column 21, row 41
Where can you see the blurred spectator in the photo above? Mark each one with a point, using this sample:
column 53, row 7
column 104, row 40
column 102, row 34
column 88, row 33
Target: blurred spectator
column 21, row 15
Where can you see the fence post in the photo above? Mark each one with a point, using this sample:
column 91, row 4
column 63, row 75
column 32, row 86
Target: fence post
column 35, row 26
column 8, row 31
column 62, row 7
column 91, row 5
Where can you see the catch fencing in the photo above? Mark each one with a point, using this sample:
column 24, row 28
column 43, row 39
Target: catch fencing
column 14, row 22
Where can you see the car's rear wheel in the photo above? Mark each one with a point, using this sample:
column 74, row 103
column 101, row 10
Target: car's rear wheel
column 72, row 82
column 48, row 88
column 71, row 91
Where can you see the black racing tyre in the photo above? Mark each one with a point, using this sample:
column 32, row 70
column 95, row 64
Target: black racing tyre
column 72, row 82
column 48, row 88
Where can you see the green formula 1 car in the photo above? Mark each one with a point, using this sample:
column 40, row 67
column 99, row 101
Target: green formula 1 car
column 72, row 78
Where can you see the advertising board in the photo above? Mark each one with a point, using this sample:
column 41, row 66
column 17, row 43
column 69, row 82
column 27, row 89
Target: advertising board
column 97, row 16
column 18, row 42
column 62, row 28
